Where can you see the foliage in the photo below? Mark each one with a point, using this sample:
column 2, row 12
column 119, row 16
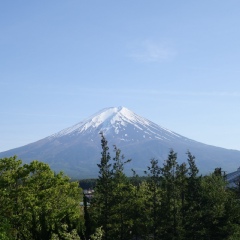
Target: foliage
column 35, row 201
column 170, row 202
column 110, row 206
column 65, row 234
column 5, row 230
column 98, row 235
column 153, row 198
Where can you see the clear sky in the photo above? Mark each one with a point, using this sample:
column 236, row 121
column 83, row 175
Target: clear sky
column 174, row 62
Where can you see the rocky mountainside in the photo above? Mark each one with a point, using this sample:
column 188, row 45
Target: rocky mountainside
column 77, row 150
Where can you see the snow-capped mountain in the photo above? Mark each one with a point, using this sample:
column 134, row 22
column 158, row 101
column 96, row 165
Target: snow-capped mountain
column 77, row 149
column 118, row 121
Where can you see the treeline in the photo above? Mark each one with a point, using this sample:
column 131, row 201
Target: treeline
column 172, row 202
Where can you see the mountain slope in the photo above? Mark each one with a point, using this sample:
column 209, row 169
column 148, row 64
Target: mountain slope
column 77, row 150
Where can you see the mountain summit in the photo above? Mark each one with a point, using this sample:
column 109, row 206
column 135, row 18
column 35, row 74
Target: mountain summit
column 119, row 123
column 77, row 149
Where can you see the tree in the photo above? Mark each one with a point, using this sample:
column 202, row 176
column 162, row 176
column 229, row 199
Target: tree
column 192, row 208
column 36, row 202
column 169, row 207
column 181, row 191
column 153, row 200
column 121, row 197
column 101, row 204
column 5, row 230
column 217, row 218
column 98, row 235
column 138, row 208
column 110, row 206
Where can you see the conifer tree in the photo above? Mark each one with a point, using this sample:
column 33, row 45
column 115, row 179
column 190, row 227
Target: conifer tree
column 153, row 200
column 111, row 206
column 138, row 208
column 192, row 208
column 181, row 191
column 121, row 198
column 101, row 205
column 169, row 200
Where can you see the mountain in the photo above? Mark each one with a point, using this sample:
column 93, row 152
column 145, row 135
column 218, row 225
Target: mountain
column 77, row 150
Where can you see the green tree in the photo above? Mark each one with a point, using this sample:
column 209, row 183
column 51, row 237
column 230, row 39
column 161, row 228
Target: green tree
column 35, row 201
column 169, row 207
column 65, row 234
column 98, row 235
column 110, row 208
column 153, row 199
column 181, row 191
column 121, row 197
column 5, row 230
column 215, row 220
column 139, row 209
column 192, row 207
column 101, row 204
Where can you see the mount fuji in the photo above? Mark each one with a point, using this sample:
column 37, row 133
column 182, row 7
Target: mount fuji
column 77, row 149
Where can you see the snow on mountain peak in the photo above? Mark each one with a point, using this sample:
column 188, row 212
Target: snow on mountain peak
column 107, row 116
column 119, row 120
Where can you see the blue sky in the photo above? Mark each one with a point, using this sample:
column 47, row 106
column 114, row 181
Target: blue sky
column 176, row 63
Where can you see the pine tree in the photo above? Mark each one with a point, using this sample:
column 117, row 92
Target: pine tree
column 192, row 207
column 169, row 208
column 111, row 206
column 121, row 197
column 101, row 205
column 138, row 208
column 181, row 186
column 153, row 200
